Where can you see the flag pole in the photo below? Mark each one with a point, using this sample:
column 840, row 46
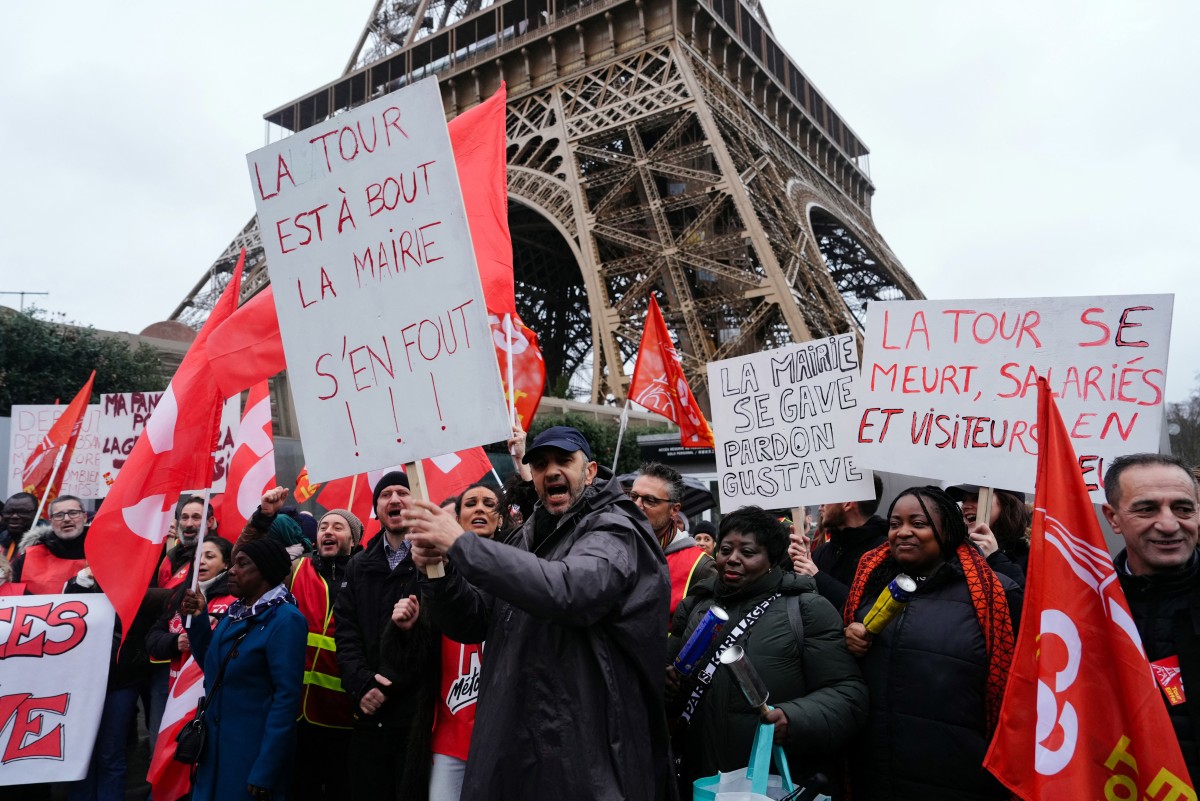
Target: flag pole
column 508, row 357
column 58, row 459
column 984, row 503
column 420, row 491
column 620, row 435
column 200, row 535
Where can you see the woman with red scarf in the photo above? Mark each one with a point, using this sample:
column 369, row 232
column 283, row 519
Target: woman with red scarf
column 937, row 672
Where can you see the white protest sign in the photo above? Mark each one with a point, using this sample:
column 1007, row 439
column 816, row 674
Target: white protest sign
column 54, row 655
column 785, row 422
column 380, row 306
column 31, row 423
column 949, row 388
column 123, row 417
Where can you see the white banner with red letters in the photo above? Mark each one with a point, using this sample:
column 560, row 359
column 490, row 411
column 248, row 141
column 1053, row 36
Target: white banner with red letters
column 381, row 311
column 54, row 658
column 123, row 417
column 30, row 424
column 949, row 387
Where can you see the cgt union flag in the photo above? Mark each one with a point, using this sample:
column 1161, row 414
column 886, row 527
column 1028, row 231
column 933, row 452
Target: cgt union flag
column 1082, row 716
column 252, row 468
column 173, row 454
column 171, row 780
column 528, row 366
column 56, row 449
column 659, row 384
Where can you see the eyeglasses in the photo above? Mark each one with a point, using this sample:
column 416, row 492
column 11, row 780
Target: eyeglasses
column 649, row 501
column 71, row 513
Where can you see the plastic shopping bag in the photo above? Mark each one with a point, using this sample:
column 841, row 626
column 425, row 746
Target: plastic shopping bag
column 755, row 782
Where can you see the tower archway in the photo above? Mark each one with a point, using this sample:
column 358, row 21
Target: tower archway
column 551, row 297
column 859, row 275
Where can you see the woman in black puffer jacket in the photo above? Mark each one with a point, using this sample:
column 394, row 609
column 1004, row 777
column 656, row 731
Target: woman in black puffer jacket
column 817, row 692
column 937, row 673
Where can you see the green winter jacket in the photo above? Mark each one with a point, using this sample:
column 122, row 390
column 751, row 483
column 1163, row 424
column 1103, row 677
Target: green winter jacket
column 816, row 682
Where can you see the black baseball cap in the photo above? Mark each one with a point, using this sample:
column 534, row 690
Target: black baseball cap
column 959, row 492
column 562, row 437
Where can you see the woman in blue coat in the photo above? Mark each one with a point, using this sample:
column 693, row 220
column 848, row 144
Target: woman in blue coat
column 251, row 716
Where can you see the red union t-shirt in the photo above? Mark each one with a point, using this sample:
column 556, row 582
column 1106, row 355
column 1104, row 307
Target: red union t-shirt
column 455, row 716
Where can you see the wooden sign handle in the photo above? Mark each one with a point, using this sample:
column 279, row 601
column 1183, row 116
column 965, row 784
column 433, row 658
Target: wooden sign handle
column 419, row 490
column 983, row 506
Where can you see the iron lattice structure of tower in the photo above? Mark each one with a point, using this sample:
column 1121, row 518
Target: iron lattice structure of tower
column 653, row 145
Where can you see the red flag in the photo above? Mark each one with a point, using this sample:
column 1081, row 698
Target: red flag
column 529, row 369
column 447, row 476
column 659, row 384
column 173, row 454
column 1082, row 716
column 171, row 780
column 36, row 478
column 252, row 468
column 304, row 488
column 478, row 138
column 246, row 348
column 336, row 494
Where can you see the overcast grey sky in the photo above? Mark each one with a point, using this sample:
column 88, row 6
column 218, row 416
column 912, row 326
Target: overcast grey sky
column 1018, row 149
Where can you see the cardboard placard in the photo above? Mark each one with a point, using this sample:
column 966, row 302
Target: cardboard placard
column 380, row 307
column 30, row 423
column 785, row 422
column 949, row 388
column 123, row 417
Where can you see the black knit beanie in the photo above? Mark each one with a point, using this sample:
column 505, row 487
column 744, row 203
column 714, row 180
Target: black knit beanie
column 270, row 558
column 389, row 480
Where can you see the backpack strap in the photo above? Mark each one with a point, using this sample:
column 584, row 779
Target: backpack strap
column 795, row 618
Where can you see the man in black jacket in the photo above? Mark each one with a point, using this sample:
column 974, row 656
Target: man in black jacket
column 571, row 688
column 17, row 517
column 1153, row 505
column 853, row 529
column 375, row 580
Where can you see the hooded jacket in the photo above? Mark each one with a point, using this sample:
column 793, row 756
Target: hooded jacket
column 362, row 610
column 815, row 681
column 571, row 692
column 43, row 536
column 927, row 675
column 689, row 565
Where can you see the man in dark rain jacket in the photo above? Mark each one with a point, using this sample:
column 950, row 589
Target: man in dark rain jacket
column 571, row 694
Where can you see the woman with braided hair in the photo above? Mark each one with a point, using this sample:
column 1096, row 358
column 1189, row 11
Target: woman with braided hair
column 937, row 672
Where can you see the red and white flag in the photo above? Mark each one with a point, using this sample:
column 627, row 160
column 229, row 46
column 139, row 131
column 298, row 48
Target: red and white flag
column 247, row 348
column 40, row 476
column 350, row 492
column 478, row 137
column 173, row 454
column 171, row 780
column 252, row 468
column 1082, row 715
column 528, row 367
column 447, row 476
column 659, row 383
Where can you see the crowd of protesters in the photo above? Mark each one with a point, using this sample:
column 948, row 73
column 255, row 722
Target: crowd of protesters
column 519, row 642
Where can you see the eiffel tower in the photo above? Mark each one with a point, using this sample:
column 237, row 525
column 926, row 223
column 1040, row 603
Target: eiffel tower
column 653, row 145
